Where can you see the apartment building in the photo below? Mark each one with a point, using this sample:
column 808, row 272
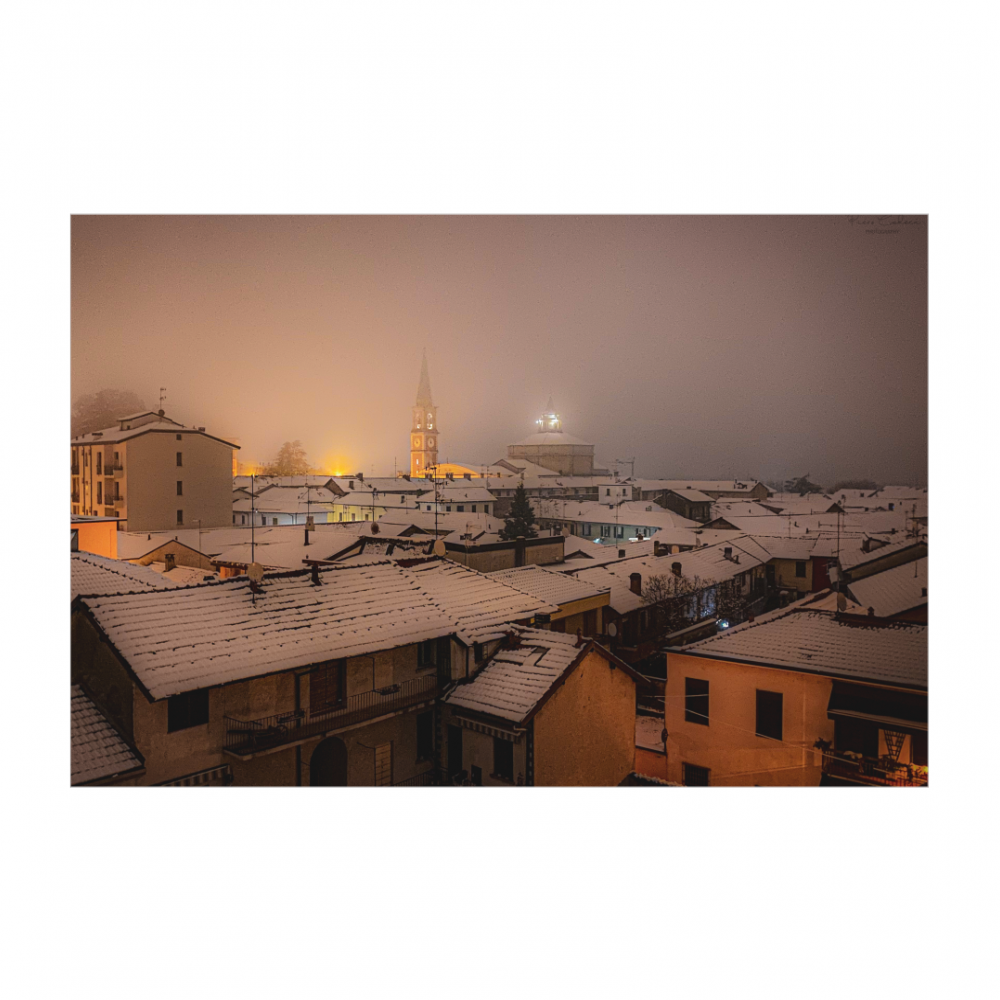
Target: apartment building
column 152, row 473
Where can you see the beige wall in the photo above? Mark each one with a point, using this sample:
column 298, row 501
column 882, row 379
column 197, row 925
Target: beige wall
column 99, row 537
column 151, row 474
column 585, row 733
column 728, row 745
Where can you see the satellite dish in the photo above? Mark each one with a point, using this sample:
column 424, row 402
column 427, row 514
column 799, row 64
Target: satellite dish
column 256, row 572
column 612, row 630
column 438, row 549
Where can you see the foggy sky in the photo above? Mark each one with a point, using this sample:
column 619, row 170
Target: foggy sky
column 706, row 347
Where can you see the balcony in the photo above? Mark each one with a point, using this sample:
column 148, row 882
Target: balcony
column 118, row 501
column 74, row 469
column 118, row 469
column 74, row 497
column 873, row 770
column 246, row 737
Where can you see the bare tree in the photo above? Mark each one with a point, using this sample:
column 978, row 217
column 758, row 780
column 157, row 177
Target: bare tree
column 290, row 461
column 676, row 600
column 99, row 410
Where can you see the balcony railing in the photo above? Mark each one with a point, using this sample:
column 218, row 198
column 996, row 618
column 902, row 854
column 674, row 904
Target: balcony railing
column 119, row 470
column 118, row 501
column 75, row 469
column 74, row 497
column 250, row 736
column 874, row 770
column 422, row 780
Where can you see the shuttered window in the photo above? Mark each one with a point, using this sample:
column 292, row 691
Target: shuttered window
column 326, row 686
column 769, row 714
column 383, row 764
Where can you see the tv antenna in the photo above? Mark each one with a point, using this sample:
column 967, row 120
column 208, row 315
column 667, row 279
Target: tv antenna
column 630, row 462
column 163, row 396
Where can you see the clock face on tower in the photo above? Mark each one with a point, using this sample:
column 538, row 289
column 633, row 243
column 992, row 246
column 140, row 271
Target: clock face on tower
column 430, row 442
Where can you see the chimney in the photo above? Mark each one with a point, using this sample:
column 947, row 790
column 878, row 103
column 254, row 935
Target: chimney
column 635, row 583
column 727, row 552
column 315, row 573
column 519, row 550
column 169, row 561
column 675, row 568
column 871, row 612
column 621, row 553
column 350, row 483
column 579, row 638
column 406, row 476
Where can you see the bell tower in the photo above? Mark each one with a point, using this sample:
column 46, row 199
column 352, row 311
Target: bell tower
column 424, row 432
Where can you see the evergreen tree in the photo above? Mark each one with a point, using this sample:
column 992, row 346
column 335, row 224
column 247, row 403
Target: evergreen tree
column 522, row 517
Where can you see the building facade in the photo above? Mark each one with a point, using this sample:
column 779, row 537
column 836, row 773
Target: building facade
column 152, row 473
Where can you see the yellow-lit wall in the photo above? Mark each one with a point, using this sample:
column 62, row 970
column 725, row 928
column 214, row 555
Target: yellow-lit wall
column 585, row 733
column 785, row 578
column 728, row 746
column 99, row 537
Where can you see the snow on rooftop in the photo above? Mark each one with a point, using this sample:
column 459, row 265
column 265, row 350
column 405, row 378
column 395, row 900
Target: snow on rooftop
column 892, row 591
column 218, row 633
column 96, row 749
column 556, row 588
column 481, row 607
column 801, row 638
column 92, row 574
column 514, row 681
column 856, row 557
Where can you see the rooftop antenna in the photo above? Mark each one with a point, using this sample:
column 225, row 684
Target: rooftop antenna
column 630, row 462
column 163, row 396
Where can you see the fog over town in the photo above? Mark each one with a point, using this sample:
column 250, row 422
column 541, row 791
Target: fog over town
column 701, row 347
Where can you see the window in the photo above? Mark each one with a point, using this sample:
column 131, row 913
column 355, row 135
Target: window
column 607, row 493
column 180, row 488
column 769, row 712
column 694, row 775
column 454, row 750
column 187, row 710
column 503, row 759
column 800, row 569
column 461, row 508
column 425, row 736
column 180, row 517
column 448, row 507
column 473, row 508
column 99, row 493
column 433, row 653
column 477, row 775
column 383, row 764
column 180, row 458
column 326, row 686
column 98, row 463
column 178, row 438
column 696, row 700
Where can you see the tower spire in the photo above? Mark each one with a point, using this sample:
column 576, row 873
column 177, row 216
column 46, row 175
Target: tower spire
column 424, row 388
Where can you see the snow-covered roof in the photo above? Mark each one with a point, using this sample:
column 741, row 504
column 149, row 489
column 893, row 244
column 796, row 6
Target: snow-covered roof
column 97, row 751
column 514, row 681
column 288, row 500
column 447, row 521
column 800, row 638
column 457, row 494
column 218, row 633
column 852, row 558
column 640, row 513
column 556, row 588
column 112, row 435
column 482, row 608
column 893, row 591
column 92, row 574
column 698, row 485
